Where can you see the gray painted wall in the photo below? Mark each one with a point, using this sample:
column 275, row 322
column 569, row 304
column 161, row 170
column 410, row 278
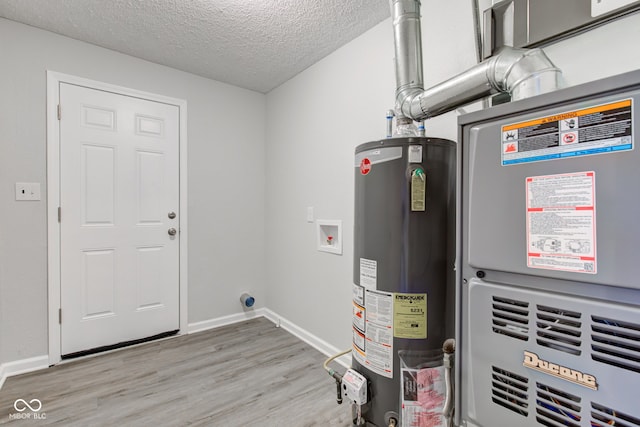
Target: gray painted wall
column 316, row 119
column 226, row 179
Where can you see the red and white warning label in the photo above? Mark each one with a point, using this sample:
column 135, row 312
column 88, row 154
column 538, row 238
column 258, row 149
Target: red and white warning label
column 359, row 316
column 373, row 332
column 423, row 395
column 561, row 222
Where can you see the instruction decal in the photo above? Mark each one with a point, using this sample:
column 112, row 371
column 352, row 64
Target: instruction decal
column 423, row 395
column 373, row 344
column 368, row 274
column 561, row 222
column 358, row 324
column 410, row 316
column 359, row 344
column 358, row 295
column 600, row 129
column 359, row 316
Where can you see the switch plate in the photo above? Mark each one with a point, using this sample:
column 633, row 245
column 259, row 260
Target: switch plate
column 310, row 214
column 27, row 191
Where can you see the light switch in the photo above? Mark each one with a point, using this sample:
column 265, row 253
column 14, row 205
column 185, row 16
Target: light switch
column 310, row 214
column 27, row 191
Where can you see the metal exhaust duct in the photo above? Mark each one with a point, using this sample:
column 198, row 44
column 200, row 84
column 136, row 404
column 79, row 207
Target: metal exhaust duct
column 520, row 72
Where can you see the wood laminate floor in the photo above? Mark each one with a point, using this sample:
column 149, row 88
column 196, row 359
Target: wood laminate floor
column 246, row 374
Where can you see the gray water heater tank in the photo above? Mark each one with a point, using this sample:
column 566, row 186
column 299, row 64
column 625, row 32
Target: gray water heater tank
column 404, row 249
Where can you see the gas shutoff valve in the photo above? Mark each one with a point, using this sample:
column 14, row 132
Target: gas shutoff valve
column 354, row 387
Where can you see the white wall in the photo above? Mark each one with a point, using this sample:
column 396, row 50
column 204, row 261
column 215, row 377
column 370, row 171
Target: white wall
column 316, row 119
column 599, row 53
column 314, row 123
column 226, row 128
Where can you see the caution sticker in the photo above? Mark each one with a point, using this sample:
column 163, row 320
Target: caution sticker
column 373, row 344
column 423, row 394
column 561, row 222
column 359, row 316
column 410, row 316
column 368, row 274
column 415, row 154
column 600, row 129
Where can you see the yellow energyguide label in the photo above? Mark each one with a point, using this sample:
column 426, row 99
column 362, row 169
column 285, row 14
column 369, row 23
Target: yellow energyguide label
column 410, row 316
column 418, row 190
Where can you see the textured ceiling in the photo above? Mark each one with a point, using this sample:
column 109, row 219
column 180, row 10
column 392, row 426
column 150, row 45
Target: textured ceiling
column 255, row 44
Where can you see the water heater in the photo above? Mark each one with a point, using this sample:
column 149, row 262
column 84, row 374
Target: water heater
column 404, row 249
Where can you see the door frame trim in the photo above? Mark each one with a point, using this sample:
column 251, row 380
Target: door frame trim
column 54, row 79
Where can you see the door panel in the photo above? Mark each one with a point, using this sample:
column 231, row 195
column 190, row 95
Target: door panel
column 119, row 180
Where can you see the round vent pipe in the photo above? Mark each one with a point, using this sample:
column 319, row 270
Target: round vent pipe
column 520, row 72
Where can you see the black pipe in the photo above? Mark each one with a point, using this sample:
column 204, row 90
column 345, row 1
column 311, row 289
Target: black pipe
column 338, row 391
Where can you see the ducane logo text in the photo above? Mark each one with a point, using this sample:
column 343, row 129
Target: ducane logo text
column 531, row 360
column 34, row 406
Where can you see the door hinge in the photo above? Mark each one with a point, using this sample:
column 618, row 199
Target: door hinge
column 60, row 316
column 59, row 214
column 59, row 112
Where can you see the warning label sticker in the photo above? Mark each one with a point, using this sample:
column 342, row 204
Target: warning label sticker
column 423, row 395
column 410, row 316
column 415, row 154
column 368, row 274
column 358, row 316
column 561, row 222
column 358, row 295
column 359, row 342
column 374, row 348
column 595, row 130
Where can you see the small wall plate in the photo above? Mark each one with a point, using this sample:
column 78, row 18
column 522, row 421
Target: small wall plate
column 329, row 236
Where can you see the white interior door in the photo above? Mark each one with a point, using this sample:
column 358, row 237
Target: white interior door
column 119, row 185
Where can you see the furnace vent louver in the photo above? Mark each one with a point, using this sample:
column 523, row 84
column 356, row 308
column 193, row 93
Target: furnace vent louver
column 556, row 408
column 509, row 390
column 616, row 343
column 601, row 416
column 559, row 329
column 511, row 318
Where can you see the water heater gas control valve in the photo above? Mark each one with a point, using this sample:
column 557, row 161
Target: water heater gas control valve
column 354, row 387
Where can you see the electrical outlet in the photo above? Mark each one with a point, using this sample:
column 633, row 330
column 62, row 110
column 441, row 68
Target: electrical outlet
column 27, row 191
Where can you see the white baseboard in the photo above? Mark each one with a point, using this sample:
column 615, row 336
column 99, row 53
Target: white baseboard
column 302, row 334
column 23, row 366
column 223, row 321
column 319, row 344
column 41, row 362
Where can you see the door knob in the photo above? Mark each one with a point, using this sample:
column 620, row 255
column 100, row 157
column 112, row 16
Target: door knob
column 171, row 215
column 172, row 232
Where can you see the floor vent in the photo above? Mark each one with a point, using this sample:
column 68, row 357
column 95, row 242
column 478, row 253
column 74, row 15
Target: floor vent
column 601, row 416
column 556, row 408
column 511, row 318
column 559, row 329
column 616, row 343
column 510, row 390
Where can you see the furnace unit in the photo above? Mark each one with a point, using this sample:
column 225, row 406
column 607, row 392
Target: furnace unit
column 548, row 310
